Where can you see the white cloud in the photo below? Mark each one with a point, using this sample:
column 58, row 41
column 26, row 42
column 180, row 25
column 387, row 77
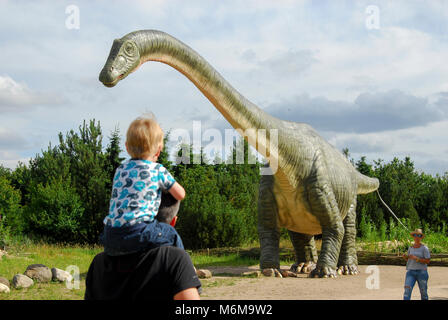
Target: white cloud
column 18, row 97
column 422, row 144
column 11, row 140
column 11, row 160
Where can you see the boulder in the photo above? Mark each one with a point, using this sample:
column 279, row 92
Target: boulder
column 39, row 272
column 5, row 282
column 61, row 275
column 269, row 272
column 4, row 288
column 203, row 273
column 288, row 273
column 22, row 281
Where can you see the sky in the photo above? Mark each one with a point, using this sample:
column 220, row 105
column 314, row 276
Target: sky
column 370, row 76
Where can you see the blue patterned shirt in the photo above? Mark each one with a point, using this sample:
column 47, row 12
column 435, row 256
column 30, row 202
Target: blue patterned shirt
column 136, row 192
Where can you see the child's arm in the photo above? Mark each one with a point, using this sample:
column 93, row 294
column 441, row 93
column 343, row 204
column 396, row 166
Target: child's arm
column 177, row 191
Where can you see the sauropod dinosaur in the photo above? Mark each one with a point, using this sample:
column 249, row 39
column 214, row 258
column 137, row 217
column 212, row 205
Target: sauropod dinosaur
column 313, row 190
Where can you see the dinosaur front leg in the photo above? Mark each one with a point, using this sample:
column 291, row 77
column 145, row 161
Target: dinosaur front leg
column 348, row 260
column 268, row 231
column 305, row 251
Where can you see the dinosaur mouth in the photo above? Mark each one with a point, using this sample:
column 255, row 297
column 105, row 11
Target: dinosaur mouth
column 113, row 83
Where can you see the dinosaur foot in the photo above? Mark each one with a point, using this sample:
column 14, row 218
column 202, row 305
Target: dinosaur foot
column 323, row 272
column 351, row 269
column 303, row 267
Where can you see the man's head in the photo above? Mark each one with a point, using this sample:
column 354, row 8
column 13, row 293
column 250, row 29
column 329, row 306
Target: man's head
column 168, row 209
column 418, row 235
column 144, row 137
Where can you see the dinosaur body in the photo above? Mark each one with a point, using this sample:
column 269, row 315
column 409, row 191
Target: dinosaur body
column 313, row 190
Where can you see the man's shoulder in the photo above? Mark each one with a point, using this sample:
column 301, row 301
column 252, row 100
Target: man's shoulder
column 165, row 255
column 169, row 251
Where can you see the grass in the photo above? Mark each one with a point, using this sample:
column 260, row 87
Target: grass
column 202, row 260
column 19, row 257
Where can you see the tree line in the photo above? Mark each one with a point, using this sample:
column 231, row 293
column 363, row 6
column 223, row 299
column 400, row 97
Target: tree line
column 63, row 193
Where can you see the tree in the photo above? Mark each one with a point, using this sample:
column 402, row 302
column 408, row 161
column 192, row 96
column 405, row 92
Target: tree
column 164, row 157
column 5, row 172
column 113, row 151
column 55, row 212
column 77, row 173
column 417, row 197
column 218, row 209
column 10, row 208
column 87, row 164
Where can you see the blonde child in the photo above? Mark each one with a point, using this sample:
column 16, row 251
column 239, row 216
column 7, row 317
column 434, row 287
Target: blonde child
column 131, row 224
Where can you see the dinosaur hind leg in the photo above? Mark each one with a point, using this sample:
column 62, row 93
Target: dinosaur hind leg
column 268, row 231
column 348, row 260
column 305, row 251
column 324, row 206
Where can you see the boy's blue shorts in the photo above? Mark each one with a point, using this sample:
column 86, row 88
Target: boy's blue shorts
column 139, row 237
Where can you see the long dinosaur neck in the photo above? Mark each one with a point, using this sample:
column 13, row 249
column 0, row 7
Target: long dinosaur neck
column 236, row 109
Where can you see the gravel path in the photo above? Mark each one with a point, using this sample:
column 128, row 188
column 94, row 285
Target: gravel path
column 391, row 282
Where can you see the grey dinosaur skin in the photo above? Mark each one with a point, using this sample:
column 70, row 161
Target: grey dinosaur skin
column 314, row 189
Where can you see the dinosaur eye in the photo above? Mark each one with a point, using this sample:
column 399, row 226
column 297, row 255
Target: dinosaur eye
column 129, row 48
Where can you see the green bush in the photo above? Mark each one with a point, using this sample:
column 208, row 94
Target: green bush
column 10, row 209
column 220, row 205
column 55, row 212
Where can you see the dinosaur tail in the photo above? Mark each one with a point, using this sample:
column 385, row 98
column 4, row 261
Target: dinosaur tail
column 366, row 184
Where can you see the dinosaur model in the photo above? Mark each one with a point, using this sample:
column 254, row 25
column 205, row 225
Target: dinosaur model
column 313, row 188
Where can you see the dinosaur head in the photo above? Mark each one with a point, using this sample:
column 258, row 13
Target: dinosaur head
column 124, row 58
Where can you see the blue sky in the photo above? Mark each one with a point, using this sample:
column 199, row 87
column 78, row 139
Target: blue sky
column 382, row 93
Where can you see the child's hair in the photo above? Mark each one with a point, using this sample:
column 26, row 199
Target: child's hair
column 144, row 137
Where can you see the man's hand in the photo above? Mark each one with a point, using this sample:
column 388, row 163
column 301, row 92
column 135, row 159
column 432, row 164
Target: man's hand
column 411, row 256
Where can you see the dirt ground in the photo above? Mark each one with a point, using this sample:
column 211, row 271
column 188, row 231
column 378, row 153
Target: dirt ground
column 227, row 284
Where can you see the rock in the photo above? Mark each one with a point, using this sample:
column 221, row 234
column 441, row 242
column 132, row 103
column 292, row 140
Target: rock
column 268, row 272
column 255, row 274
column 5, row 282
column 61, row 275
column 22, row 281
column 287, row 273
column 203, row 273
column 4, row 288
column 39, row 272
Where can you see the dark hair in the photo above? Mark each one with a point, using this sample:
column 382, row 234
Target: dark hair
column 168, row 208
